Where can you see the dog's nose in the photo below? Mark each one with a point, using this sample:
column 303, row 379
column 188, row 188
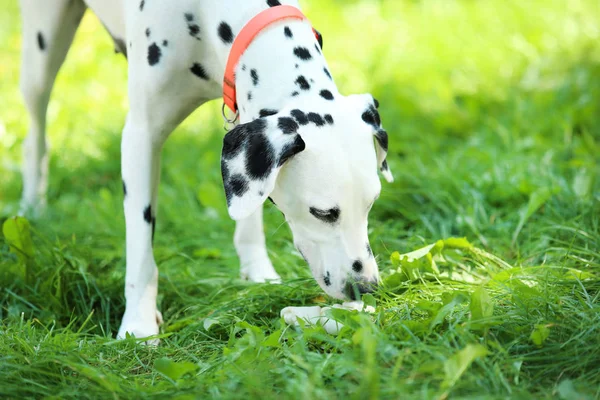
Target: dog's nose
column 354, row 289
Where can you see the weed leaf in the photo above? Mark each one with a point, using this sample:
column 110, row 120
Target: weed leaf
column 481, row 304
column 540, row 334
column 172, row 369
column 536, row 200
column 456, row 365
column 17, row 232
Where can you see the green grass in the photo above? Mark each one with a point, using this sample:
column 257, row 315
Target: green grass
column 493, row 110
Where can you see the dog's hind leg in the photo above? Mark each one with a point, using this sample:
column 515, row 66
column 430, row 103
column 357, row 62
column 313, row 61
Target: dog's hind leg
column 249, row 241
column 48, row 30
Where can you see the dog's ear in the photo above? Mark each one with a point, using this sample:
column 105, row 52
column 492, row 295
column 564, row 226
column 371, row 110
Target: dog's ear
column 253, row 153
column 370, row 116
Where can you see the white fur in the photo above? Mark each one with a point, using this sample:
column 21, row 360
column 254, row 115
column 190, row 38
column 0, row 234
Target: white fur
column 338, row 166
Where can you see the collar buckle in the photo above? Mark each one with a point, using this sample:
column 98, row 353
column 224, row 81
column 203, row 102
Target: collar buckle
column 229, row 123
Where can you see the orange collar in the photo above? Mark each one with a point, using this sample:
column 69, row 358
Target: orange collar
column 243, row 40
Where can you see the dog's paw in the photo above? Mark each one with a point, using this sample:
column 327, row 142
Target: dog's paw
column 141, row 327
column 260, row 271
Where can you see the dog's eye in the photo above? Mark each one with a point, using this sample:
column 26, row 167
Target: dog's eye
column 330, row 216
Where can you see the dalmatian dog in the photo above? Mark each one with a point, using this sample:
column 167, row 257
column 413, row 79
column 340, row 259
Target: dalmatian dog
column 298, row 142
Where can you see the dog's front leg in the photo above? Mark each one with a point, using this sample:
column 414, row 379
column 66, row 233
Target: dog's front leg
column 249, row 241
column 140, row 165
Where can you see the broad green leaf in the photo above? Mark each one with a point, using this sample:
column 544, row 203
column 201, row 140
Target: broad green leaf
column 536, row 200
column 481, row 304
column 395, row 259
column 254, row 334
column 540, row 334
column 444, row 311
column 457, row 243
column 394, row 280
column 172, row 369
column 273, row 339
column 413, row 255
column 17, row 232
column 456, row 365
column 208, row 322
column 369, row 300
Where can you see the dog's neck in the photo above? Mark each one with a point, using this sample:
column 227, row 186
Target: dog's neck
column 283, row 66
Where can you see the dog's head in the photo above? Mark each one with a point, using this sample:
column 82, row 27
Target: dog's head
column 318, row 163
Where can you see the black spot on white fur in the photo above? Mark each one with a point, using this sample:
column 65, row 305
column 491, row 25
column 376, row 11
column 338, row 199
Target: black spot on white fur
column 249, row 96
column 357, row 266
column 327, row 72
column 326, row 94
column 369, row 251
column 260, row 156
column 193, row 27
column 328, row 118
column 384, row 165
column 147, row 32
column 224, row 170
column 302, row 83
column 254, row 76
column 295, row 93
column 124, row 189
column 288, row 32
column 330, row 216
column 41, row 42
column 315, row 118
column 300, row 116
column 317, row 48
column 273, row 3
column 154, row 54
column 382, row 138
column 165, row 43
column 327, row 279
column 234, row 140
column 225, row 32
column 198, row 70
column 148, row 214
column 291, row 149
column 371, row 117
column 287, row 125
column 302, row 53
column 265, row 112
column 238, row 184
column 142, row 5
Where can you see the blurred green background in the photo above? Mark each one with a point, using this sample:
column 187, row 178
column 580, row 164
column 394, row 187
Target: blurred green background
column 493, row 111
